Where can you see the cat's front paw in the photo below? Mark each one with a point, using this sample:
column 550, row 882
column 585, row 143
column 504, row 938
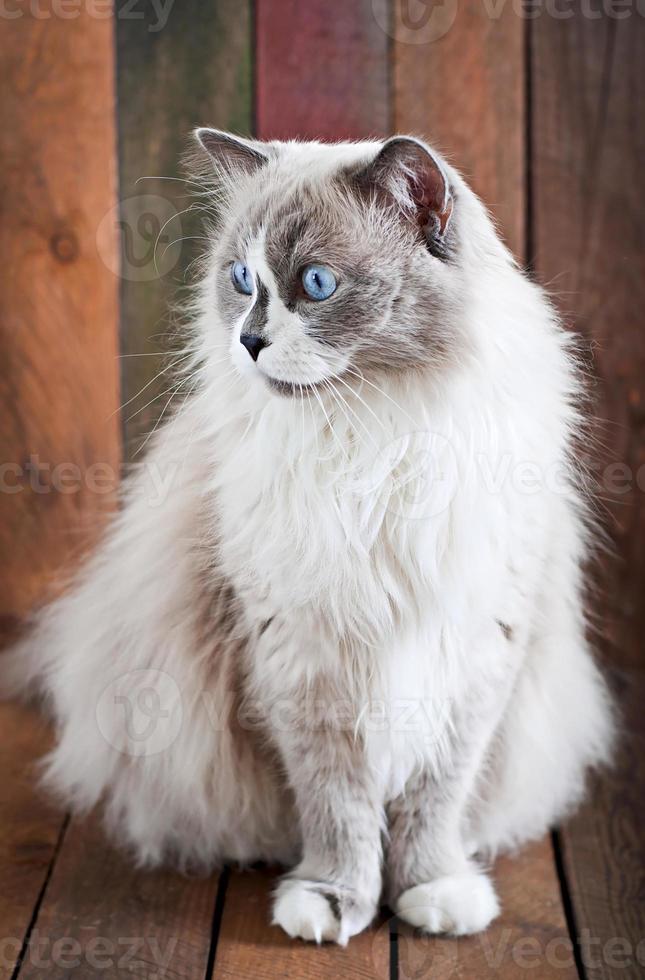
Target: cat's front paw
column 318, row 912
column 458, row 904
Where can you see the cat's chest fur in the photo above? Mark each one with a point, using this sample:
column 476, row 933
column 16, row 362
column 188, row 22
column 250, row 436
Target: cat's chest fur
column 317, row 522
column 377, row 542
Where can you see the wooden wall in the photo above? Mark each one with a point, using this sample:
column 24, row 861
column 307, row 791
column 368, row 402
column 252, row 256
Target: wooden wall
column 59, row 439
column 543, row 114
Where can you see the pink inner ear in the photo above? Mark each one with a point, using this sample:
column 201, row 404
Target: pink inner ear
column 429, row 193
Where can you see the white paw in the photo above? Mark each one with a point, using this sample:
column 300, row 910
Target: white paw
column 305, row 913
column 459, row 904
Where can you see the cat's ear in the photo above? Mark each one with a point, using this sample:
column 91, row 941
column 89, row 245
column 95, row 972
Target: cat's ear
column 231, row 153
column 409, row 175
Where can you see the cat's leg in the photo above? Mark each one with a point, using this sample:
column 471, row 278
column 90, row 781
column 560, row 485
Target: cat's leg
column 432, row 882
column 333, row 892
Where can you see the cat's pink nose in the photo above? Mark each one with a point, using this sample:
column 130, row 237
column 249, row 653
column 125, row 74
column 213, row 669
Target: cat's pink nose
column 254, row 343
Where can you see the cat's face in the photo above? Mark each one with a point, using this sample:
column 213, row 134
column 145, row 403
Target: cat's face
column 331, row 262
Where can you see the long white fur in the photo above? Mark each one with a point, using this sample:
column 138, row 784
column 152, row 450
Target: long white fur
column 397, row 595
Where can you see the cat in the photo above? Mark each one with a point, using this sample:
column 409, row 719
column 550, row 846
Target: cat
column 350, row 636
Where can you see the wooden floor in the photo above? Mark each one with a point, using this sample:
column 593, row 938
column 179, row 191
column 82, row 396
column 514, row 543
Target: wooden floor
column 573, row 905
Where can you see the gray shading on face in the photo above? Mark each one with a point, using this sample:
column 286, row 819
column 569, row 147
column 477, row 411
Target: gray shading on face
column 396, row 300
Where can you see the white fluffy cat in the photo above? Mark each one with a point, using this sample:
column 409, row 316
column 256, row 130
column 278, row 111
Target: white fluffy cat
column 349, row 636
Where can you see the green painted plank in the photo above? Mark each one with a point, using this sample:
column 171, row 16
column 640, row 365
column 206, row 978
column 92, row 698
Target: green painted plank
column 178, row 66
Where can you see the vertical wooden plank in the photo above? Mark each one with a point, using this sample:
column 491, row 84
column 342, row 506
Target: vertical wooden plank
column 603, row 849
column 249, row 948
column 589, row 186
column 188, row 66
column 588, row 181
column 459, row 82
column 100, row 917
column 59, row 448
column 29, row 828
column 322, row 71
column 530, row 937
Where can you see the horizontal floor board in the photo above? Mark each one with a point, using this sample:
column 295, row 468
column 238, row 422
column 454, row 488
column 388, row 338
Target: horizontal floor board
column 530, row 938
column 603, row 850
column 249, row 948
column 101, row 917
column 29, row 827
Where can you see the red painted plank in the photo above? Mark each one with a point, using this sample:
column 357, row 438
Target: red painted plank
column 458, row 78
column 321, row 70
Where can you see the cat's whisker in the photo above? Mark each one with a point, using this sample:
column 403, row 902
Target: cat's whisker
column 331, row 427
column 159, row 420
column 340, row 401
column 313, row 424
column 356, row 394
column 362, row 378
column 159, row 395
column 302, row 419
column 163, row 371
column 186, row 238
column 173, row 217
column 355, row 413
column 182, row 180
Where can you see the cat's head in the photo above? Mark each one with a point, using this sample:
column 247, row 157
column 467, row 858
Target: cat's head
column 334, row 260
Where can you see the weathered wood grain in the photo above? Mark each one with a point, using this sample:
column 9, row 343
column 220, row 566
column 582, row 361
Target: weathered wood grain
column 250, row 949
column 588, row 188
column 459, row 82
column 100, row 917
column 529, row 939
column 322, row 71
column 59, row 443
column 29, row 827
column 604, row 852
column 194, row 70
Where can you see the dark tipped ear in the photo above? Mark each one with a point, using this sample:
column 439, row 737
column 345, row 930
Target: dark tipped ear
column 407, row 173
column 232, row 153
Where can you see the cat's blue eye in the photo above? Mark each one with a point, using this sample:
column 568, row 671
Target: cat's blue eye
column 318, row 282
column 242, row 279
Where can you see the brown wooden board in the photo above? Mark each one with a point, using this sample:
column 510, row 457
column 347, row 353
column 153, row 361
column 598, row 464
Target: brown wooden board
column 249, row 948
column 603, row 850
column 100, row 917
column 59, row 442
column 29, row 827
column 529, row 939
column 459, row 82
column 588, row 182
column 322, row 71
column 194, row 69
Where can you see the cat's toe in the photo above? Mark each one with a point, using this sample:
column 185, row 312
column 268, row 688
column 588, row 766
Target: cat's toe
column 305, row 912
column 457, row 904
column 317, row 911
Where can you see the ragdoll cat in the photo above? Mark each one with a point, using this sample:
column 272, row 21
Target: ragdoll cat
column 347, row 634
